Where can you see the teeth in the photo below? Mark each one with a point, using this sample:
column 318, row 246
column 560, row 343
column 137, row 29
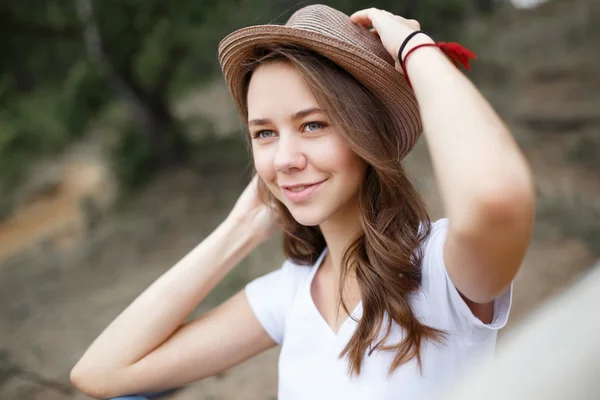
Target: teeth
column 298, row 188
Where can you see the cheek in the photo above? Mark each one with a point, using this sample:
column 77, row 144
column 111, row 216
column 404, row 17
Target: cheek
column 336, row 156
column 355, row 168
column 263, row 164
column 351, row 169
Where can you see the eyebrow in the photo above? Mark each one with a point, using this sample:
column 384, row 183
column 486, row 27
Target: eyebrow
column 296, row 116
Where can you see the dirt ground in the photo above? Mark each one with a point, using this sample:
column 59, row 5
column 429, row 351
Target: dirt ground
column 52, row 306
column 67, row 269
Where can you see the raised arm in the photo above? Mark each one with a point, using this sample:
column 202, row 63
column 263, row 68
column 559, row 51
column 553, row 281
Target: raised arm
column 485, row 181
column 148, row 348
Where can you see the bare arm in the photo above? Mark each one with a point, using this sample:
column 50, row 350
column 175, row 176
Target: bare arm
column 147, row 348
column 215, row 342
column 485, row 181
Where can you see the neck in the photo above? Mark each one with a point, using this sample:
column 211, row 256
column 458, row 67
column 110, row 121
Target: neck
column 339, row 231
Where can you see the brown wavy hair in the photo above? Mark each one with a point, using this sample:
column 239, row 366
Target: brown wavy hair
column 387, row 257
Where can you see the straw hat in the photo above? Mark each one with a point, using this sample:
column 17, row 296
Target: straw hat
column 332, row 34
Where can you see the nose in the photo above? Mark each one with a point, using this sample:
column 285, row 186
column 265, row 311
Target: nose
column 289, row 154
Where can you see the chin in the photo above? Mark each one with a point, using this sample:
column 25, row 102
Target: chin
column 308, row 216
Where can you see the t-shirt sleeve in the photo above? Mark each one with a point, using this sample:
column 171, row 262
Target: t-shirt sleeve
column 439, row 289
column 271, row 295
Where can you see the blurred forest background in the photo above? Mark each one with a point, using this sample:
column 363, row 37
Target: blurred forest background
column 120, row 150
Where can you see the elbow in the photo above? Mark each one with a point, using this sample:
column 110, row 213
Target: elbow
column 91, row 383
column 515, row 205
column 504, row 204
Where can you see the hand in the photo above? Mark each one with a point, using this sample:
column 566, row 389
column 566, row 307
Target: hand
column 250, row 210
column 392, row 29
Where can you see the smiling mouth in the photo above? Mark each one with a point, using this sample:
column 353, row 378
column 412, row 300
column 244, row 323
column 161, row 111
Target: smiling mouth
column 298, row 188
column 300, row 192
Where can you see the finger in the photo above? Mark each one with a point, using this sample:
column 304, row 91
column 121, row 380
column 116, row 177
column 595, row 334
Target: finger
column 414, row 23
column 364, row 17
column 394, row 16
column 374, row 31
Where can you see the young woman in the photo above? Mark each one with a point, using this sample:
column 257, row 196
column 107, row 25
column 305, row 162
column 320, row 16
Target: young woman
column 374, row 300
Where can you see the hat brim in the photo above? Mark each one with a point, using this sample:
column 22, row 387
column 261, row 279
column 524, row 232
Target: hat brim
column 377, row 75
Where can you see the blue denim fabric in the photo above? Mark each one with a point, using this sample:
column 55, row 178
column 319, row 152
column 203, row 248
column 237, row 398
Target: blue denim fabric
column 146, row 396
column 134, row 397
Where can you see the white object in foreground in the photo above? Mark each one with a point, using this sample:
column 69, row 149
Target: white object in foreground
column 553, row 355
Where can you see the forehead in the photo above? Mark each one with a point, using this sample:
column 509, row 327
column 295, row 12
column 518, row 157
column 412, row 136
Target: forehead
column 277, row 88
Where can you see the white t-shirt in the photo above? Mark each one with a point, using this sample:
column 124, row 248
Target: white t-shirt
column 309, row 367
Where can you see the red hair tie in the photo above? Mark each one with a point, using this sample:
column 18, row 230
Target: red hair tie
column 454, row 51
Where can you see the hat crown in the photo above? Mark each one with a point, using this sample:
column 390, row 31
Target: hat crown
column 325, row 20
column 332, row 34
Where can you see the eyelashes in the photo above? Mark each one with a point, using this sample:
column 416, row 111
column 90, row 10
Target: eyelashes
column 259, row 134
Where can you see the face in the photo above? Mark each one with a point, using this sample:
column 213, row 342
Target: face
column 302, row 159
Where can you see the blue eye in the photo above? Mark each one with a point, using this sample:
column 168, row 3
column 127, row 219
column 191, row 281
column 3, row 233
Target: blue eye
column 313, row 126
column 264, row 134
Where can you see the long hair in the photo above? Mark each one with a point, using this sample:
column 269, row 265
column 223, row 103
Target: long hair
column 386, row 258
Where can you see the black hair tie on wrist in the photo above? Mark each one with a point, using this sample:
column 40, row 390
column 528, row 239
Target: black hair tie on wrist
column 454, row 51
column 405, row 43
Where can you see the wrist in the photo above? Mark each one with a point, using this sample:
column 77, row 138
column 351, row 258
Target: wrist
column 421, row 59
column 449, row 51
column 417, row 41
column 241, row 232
column 412, row 40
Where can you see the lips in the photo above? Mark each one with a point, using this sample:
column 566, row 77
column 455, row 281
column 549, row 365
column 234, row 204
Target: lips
column 300, row 192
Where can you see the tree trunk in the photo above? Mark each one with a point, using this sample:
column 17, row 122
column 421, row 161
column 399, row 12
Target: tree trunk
column 148, row 111
column 166, row 138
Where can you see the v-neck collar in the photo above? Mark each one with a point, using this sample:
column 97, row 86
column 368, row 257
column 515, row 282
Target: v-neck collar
column 356, row 313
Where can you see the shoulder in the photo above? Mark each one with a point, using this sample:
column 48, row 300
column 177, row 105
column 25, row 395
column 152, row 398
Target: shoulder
column 271, row 296
column 284, row 281
column 432, row 246
column 296, row 273
column 442, row 296
column 432, row 262
column 438, row 227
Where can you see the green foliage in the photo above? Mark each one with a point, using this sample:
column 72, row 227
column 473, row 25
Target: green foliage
column 442, row 17
column 83, row 96
column 39, row 40
column 149, row 39
column 29, row 127
column 132, row 159
column 49, row 90
column 34, row 126
column 211, row 153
